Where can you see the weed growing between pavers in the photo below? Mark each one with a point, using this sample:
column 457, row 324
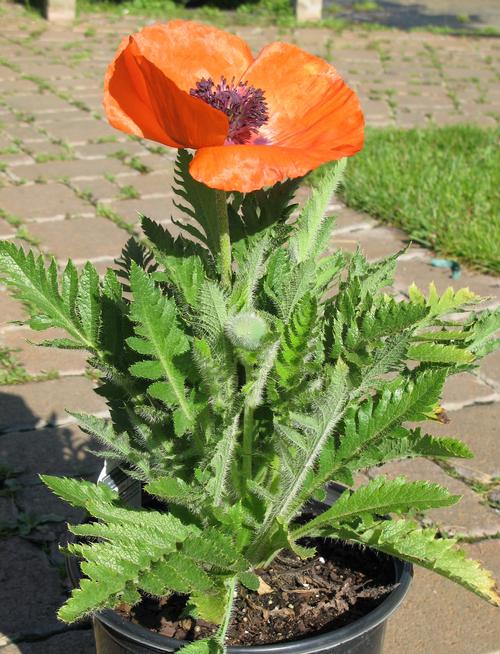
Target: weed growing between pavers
column 106, row 212
column 11, row 370
column 441, row 185
column 129, row 192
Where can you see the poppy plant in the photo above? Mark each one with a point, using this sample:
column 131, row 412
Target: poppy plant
column 252, row 121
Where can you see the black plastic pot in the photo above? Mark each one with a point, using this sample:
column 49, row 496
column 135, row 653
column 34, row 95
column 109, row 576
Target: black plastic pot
column 116, row 635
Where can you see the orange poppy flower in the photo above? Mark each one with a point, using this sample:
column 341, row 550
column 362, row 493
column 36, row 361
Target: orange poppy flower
column 253, row 122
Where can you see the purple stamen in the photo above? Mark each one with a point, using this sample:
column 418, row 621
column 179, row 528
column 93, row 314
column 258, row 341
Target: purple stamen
column 244, row 105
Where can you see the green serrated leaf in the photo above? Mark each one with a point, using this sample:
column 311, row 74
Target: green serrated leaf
column 156, row 326
column 183, row 260
column 206, row 646
column 250, row 580
column 406, row 540
column 306, row 242
column 35, row 284
column 77, row 492
column 438, row 353
column 381, row 496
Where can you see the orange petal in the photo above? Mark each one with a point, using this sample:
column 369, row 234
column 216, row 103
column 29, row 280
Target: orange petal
column 141, row 100
column 246, row 168
column 186, row 51
column 309, row 104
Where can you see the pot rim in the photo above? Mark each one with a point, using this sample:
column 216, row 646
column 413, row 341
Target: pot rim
column 142, row 636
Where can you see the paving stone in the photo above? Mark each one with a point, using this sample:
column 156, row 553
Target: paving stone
column 25, row 133
column 159, row 162
column 51, row 71
column 440, row 617
column 494, row 498
column 6, row 230
column 100, row 189
column 375, row 243
column 17, row 85
column 376, row 108
column 80, row 641
column 468, row 518
column 6, row 73
column 349, row 220
column 158, row 209
column 159, row 183
column 40, row 103
column 464, row 389
column 490, row 369
column 5, row 141
column 43, row 201
column 37, row 360
column 31, row 587
column 46, row 149
column 44, row 403
column 80, row 131
column 37, row 501
column 102, row 150
column 422, row 273
column 477, row 426
column 80, row 238
column 10, row 309
column 16, row 159
column 94, row 105
column 8, row 512
column 50, row 451
column 75, row 168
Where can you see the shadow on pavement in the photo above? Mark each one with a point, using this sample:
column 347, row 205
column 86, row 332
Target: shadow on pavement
column 33, row 521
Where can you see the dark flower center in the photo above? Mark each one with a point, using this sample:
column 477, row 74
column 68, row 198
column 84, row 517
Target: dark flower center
column 244, row 105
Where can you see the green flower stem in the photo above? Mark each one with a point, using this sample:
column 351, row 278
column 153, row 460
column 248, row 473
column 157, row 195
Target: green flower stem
column 224, row 238
column 247, row 445
column 231, row 586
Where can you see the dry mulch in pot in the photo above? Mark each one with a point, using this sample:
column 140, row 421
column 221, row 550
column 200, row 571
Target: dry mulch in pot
column 303, row 598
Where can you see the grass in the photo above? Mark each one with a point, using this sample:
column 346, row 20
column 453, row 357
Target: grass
column 440, row 184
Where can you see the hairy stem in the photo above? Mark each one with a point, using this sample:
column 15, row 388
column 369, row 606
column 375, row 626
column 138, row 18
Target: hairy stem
column 224, row 238
column 287, row 501
column 247, row 444
column 224, row 626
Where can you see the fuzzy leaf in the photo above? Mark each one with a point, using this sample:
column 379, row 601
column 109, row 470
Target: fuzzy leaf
column 182, row 259
column 295, row 344
column 88, row 304
column 36, row 285
column 296, row 467
column 259, row 212
column 205, row 646
column 197, row 202
column 381, row 496
column 438, row 353
column 222, row 458
column 306, row 243
column 250, row 271
column 375, row 418
column 155, row 320
column 406, row 540
column 481, row 332
column 440, row 305
column 78, row 493
column 171, row 489
column 250, row 580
